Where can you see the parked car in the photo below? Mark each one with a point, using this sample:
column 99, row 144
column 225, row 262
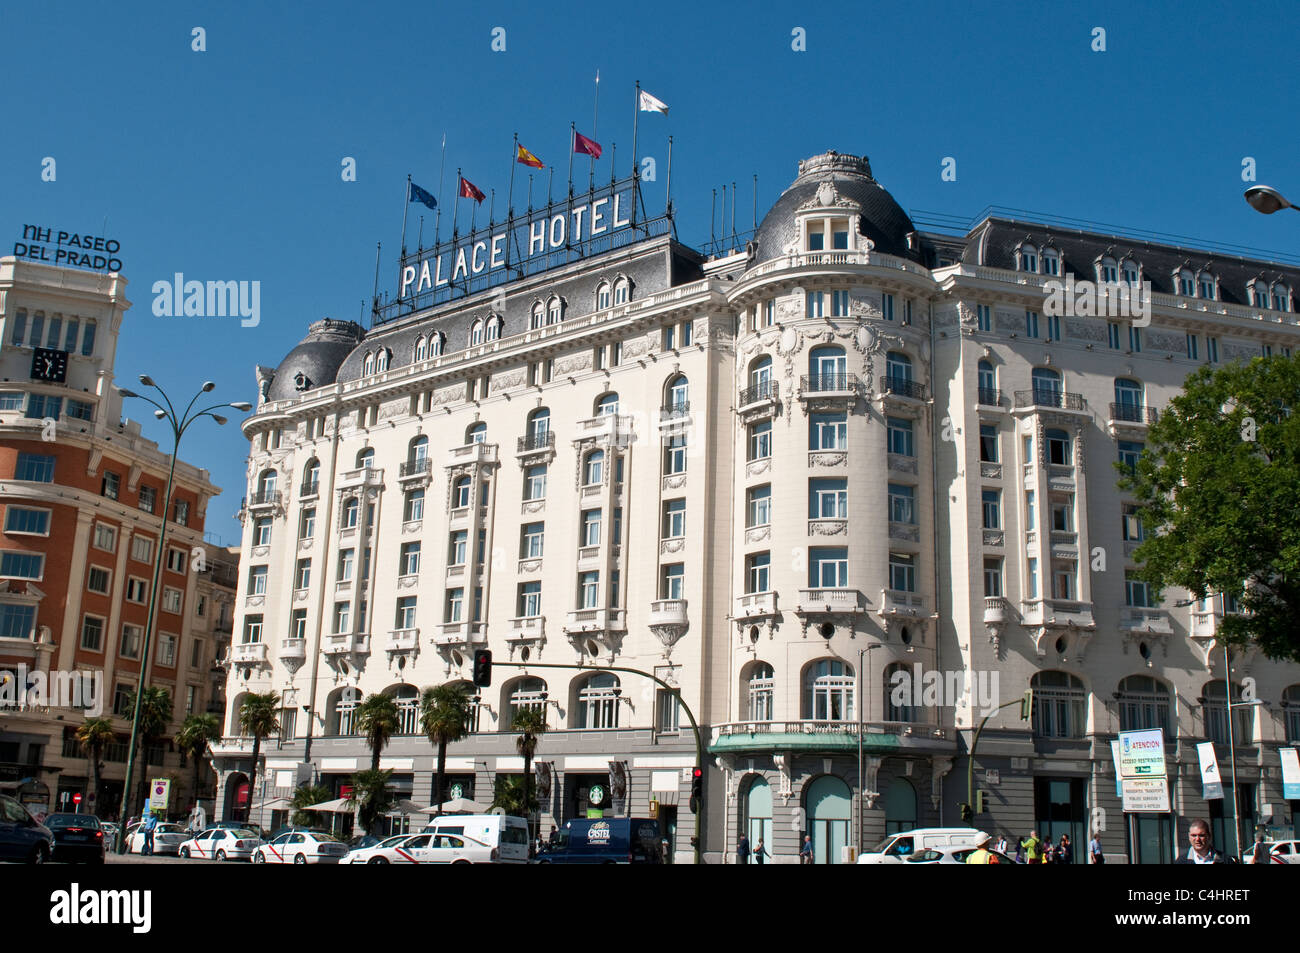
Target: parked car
column 77, row 837
column 301, row 847
column 242, row 826
column 167, row 838
column 222, row 843
column 21, row 837
column 612, row 840
column 380, row 852
column 489, row 839
column 896, row 848
column 362, row 841
column 952, row 855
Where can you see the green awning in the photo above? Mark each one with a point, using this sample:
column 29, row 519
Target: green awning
column 812, row 741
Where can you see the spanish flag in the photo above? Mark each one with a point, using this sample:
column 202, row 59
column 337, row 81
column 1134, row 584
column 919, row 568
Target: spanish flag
column 524, row 157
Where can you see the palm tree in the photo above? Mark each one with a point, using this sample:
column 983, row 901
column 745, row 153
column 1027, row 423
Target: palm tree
column 510, row 796
column 196, row 732
column 445, row 719
column 94, row 735
column 530, row 722
column 378, row 720
column 258, row 717
column 305, row 796
column 155, row 716
column 371, row 794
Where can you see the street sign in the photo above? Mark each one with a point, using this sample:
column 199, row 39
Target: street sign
column 160, row 793
column 1290, row 773
column 76, row 798
column 1142, row 754
column 1211, row 783
column 1146, row 796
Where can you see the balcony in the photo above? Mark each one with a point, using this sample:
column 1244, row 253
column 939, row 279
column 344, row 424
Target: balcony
column 990, row 397
column 758, row 402
column 293, row 653
column 402, row 643
column 362, row 477
column 415, row 472
column 834, row 391
column 755, row 607
column 829, row 606
column 902, row 387
column 346, row 648
column 668, row 612
column 1130, row 418
column 261, row 502
column 996, row 610
column 248, row 653
column 460, row 635
column 526, row 632
column 1048, row 399
column 309, row 490
column 808, row 736
column 472, row 454
column 1045, row 619
column 905, row 605
column 675, row 418
column 1146, row 620
column 535, row 447
column 604, row 626
column 615, row 429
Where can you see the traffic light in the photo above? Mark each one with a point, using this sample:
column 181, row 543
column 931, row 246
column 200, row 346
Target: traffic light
column 966, row 814
column 697, row 789
column 1027, row 705
column 483, row 667
column 980, row 806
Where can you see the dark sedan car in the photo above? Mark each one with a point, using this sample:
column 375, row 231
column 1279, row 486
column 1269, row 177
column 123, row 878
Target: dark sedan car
column 21, row 838
column 77, row 837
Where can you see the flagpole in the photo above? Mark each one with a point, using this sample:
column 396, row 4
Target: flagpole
column 530, row 191
column 455, row 208
column 549, row 182
column 572, row 143
column 595, row 131
column 733, row 215
column 636, row 116
column 405, row 205
column 442, row 167
column 510, row 200
column 668, row 188
column 613, row 154
column 492, row 209
column 419, row 241
column 374, row 307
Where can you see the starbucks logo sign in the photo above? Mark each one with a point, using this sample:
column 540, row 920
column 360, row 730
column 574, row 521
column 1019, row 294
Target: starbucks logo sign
column 457, row 791
column 596, row 795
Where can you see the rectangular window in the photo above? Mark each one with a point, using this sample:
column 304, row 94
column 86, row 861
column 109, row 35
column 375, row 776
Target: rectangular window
column 1063, row 582
column 111, row 485
column 992, row 577
column 123, row 705
column 828, row 499
column 17, row 622
column 166, row 650
column 769, row 313
column 670, row 338
column 458, row 550
column 28, row 522
column 984, row 317
column 840, row 304
column 1032, row 588
column 530, row 600
column 1137, row 592
column 901, row 503
column 98, row 580
column 816, row 237
column 1193, row 347
column 35, row 468
column 40, row 406
column 1029, row 511
column 19, row 329
column 671, row 581
column 1054, row 327
column 687, row 328
column 105, row 537
column 590, row 528
column 405, row 615
column 172, row 600
column 887, row 307
column 201, row 606
column 342, row 617
column 1062, row 516
column 989, row 443
column 79, row 410
column 675, row 454
column 758, row 506
column 347, row 559
column 667, row 711
column 760, row 440
column 1129, row 452
column 992, row 506
column 907, row 311
column 1112, row 335
column 1132, row 525
column 535, row 483
column 131, row 636
column 815, row 306
column 92, row 634
column 142, row 549
column 900, row 436
column 589, row 590
column 1135, row 339
column 674, row 524
column 408, row 559
column 302, row 574
column 196, row 651
column 413, row 506
column 11, row 400
column 757, row 569
column 262, row 531
column 828, row 567
column 307, row 524
column 827, row 432
column 16, row 565
column 1031, row 324
column 1212, row 350
column 257, row 580
column 148, row 498
column 902, row 572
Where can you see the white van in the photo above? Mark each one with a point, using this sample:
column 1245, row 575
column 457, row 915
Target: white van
column 476, row 839
column 896, row 848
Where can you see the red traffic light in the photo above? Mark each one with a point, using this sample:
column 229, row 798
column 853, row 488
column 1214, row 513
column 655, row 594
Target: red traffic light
column 482, row 674
column 697, row 773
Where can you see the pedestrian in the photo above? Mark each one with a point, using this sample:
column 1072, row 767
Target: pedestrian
column 1002, row 844
column 1259, row 853
column 1095, row 851
column 806, row 851
column 150, row 823
column 1202, row 846
column 1049, row 851
column 742, row 850
column 760, row 852
column 981, row 853
column 1064, row 851
column 1020, row 851
column 1033, row 848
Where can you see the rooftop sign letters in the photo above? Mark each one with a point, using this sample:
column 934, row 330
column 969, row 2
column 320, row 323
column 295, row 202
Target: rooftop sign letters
column 41, row 243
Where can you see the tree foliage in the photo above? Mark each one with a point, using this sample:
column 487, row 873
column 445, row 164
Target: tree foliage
column 304, row 797
column 445, row 718
column 1218, row 490
column 378, row 720
column 372, row 796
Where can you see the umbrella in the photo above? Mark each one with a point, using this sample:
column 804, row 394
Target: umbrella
column 457, row 805
column 338, row 806
column 408, row 807
column 274, row 804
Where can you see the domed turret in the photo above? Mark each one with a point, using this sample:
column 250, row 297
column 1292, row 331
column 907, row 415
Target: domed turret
column 315, row 361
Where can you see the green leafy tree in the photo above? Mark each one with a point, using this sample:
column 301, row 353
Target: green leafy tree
column 1218, row 490
column 378, row 720
column 530, row 723
column 511, row 798
column 155, row 715
column 445, row 718
column 94, row 735
column 193, row 738
column 258, row 719
column 372, row 796
column 305, row 796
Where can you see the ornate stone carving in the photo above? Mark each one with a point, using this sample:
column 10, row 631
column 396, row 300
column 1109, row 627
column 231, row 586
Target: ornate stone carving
column 827, row 528
column 755, row 467
column 827, row 459
column 901, row 464
column 572, row 363
column 785, row 786
column 992, row 537
column 674, row 482
column 260, row 551
column 757, row 534
column 530, row 565
column 534, row 506
column 672, row 545
column 447, row 395
column 254, row 601
column 395, row 408
column 635, row 347
column 413, row 527
column 905, row 532
column 991, row 471
column 508, row 380
column 408, row 581
column 870, row 787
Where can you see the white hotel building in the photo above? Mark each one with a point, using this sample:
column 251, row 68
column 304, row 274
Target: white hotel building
column 772, row 478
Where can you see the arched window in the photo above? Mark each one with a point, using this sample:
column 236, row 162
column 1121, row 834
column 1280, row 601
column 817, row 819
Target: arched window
column 1259, row 293
column 760, row 692
column 1207, row 286
column 311, row 476
column 1047, row 387
column 1128, row 399
column 524, row 693
column 898, row 368
column 1028, row 259
column 900, row 807
column 679, row 394
column 828, row 691
column 1281, row 297
column 460, row 493
column 593, row 468
column 417, row 451
column 368, row 364
column 829, row 806
column 598, row 701
column 554, row 310
column 758, row 814
column 351, row 512
column 538, row 318
column 1060, row 705
column 1291, row 713
column 437, row 340
column 421, row 348
column 476, row 433
column 1215, row 715
column 539, row 426
column 1051, row 261
column 988, row 383
column 622, row 290
column 760, row 379
column 1185, row 282
column 829, row 366
column 381, row 359
column 343, row 714
column 900, row 693
column 266, row 485
column 236, row 706
column 494, row 323
column 407, row 700
column 1108, row 270
column 602, row 296
column 1058, row 448
column 476, row 332
column 607, row 404
column 366, row 458
column 1130, row 272
column 1144, row 703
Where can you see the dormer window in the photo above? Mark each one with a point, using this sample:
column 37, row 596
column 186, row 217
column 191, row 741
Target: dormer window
column 622, row 289
column 421, row 348
column 1281, row 298
column 381, row 360
column 539, row 316
column 1130, row 272
column 436, row 340
column 1028, row 259
column 827, row 233
column 602, row 296
column 553, row 311
column 1186, row 284
column 476, row 332
column 1206, row 286
column 1109, row 271
column 840, row 234
column 816, row 237
column 368, row 364
column 1051, row 261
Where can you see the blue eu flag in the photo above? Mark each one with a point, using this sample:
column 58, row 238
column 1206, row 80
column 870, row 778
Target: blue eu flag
column 420, row 195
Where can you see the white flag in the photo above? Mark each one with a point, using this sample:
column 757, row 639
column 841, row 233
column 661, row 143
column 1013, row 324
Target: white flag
column 649, row 104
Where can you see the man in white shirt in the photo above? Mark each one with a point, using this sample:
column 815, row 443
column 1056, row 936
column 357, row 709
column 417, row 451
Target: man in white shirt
column 1202, row 850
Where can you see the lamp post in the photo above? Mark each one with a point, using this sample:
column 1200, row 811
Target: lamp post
column 179, row 424
column 1232, row 743
column 862, row 703
column 1266, row 200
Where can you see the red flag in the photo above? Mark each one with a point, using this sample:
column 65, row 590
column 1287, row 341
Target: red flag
column 468, row 190
column 584, row 146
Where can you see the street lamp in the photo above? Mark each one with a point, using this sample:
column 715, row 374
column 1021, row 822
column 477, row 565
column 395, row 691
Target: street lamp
column 1267, row 200
column 861, row 705
column 179, row 424
column 1232, row 743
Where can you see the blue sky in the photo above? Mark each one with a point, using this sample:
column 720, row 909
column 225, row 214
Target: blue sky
column 225, row 164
